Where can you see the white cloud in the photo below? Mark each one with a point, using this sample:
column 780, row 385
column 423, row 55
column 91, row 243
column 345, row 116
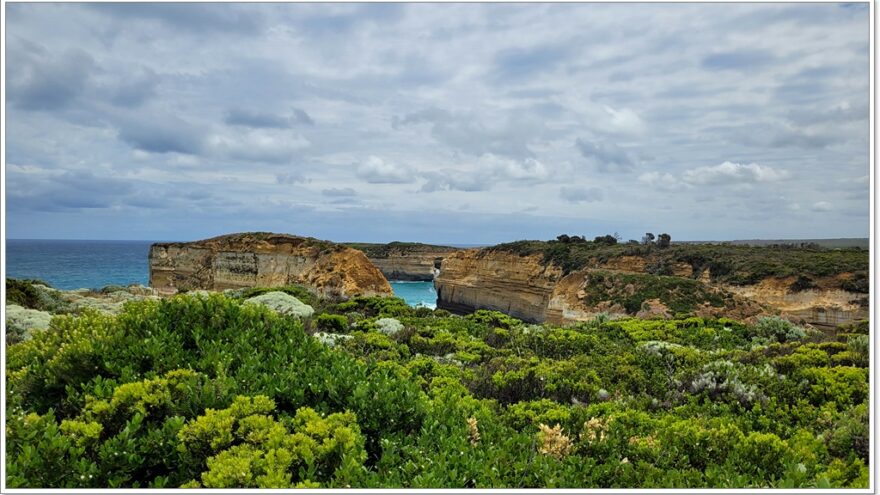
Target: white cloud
column 733, row 173
column 264, row 145
column 377, row 171
column 625, row 120
column 822, row 206
column 661, row 180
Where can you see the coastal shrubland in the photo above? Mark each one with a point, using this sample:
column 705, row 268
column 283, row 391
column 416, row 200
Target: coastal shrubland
column 725, row 263
column 207, row 391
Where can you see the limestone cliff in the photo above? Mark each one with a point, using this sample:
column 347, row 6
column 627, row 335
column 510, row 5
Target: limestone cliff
column 482, row 279
column 264, row 260
column 405, row 260
column 533, row 288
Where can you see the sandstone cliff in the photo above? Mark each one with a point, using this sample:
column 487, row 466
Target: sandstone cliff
column 405, row 260
column 482, row 279
column 532, row 287
column 264, row 260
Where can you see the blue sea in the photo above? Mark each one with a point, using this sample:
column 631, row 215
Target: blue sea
column 69, row 264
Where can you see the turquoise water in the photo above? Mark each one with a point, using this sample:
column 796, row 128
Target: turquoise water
column 94, row 264
column 416, row 293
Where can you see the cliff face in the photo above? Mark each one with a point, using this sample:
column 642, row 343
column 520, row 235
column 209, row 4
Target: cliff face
column 479, row 279
column 406, row 261
column 527, row 287
column 264, row 260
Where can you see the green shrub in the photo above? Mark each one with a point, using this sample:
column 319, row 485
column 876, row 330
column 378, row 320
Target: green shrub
column 776, row 329
column 332, row 323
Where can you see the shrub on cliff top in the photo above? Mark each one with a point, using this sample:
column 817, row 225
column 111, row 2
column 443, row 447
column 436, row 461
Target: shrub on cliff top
column 21, row 321
column 35, row 294
column 283, row 303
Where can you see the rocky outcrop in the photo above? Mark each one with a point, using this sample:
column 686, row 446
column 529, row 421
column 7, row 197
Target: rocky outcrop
column 406, row 261
column 483, row 279
column 527, row 287
column 264, row 260
column 825, row 304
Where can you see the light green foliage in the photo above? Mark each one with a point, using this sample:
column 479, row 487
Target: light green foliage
column 252, row 449
column 209, row 391
column 283, row 303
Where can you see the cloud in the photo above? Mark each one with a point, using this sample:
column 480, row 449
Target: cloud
column 734, row 173
column 132, row 92
column 607, row 156
column 581, row 194
column 164, row 134
column 377, row 171
column 74, row 190
column 265, row 120
column 339, row 192
column 822, row 206
column 661, row 180
column 514, row 64
column 625, row 120
column 188, row 17
column 255, row 100
column 41, row 80
column 507, row 133
column 290, row 178
column 268, row 146
column 452, row 180
column 486, row 172
column 744, row 60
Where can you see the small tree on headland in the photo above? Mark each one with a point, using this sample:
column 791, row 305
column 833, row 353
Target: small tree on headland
column 605, row 239
column 648, row 239
column 664, row 240
column 563, row 238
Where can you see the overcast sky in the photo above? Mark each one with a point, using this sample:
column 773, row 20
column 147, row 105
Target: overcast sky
column 458, row 123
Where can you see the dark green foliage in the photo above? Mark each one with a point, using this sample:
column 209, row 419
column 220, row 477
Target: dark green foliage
column 332, row 323
column 208, row 392
column 802, row 283
column 25, row 294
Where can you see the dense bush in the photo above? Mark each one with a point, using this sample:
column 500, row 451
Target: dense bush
column 206, row 391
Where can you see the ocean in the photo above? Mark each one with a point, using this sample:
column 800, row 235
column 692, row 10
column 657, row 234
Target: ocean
column 74, row 264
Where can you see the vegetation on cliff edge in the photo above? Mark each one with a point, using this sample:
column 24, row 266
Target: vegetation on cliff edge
column 734, row 264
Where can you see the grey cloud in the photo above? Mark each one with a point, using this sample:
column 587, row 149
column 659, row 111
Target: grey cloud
column 581, row 194
column 162, row 135
column 189, row 17
column 746, row 60
column 263, row 120
column 339, row 192
column 47, row 81
column 290, row 178
column 522, row 63
column 66, row 191
column 134, row 91
column 607, row 156
column 507, row 134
